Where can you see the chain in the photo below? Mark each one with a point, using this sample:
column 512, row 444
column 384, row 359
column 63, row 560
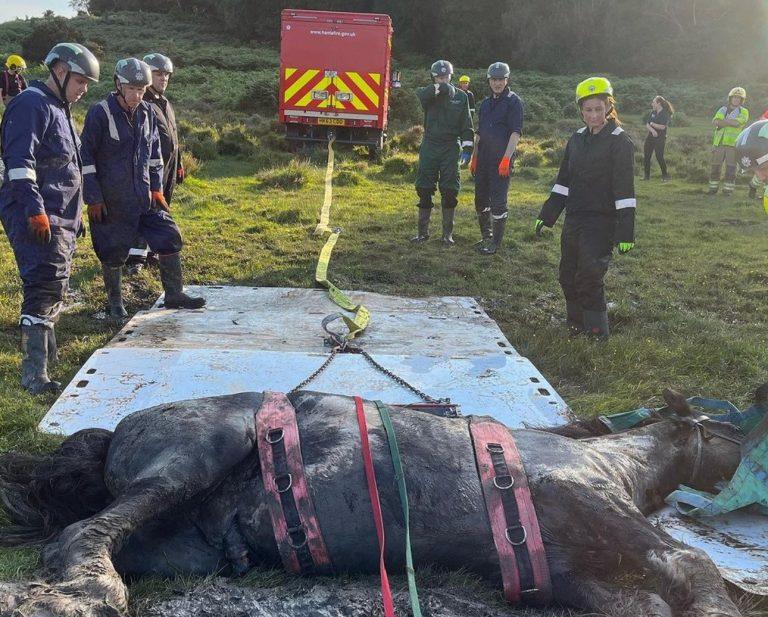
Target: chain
column 344, row 347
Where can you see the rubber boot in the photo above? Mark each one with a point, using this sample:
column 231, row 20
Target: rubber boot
column 422, row 235
column 498, row 236
column 448, row 216
column 596, row 324
column 486, row 233
column 53, row 348
column 34, row 364
column 113, row 283
column 173, row 284
column 574, row 318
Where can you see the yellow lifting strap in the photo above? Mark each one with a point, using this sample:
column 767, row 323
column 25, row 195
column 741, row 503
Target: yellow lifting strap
column 362, row 315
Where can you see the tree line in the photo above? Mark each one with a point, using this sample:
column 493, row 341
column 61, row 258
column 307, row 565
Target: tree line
column 693, row 39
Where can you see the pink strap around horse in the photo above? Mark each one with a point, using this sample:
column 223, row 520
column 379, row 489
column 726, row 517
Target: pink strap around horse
column 522, row 539
column 276, row 422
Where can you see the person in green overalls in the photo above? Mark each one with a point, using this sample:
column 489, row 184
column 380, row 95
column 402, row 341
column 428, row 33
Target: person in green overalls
column 448, row 141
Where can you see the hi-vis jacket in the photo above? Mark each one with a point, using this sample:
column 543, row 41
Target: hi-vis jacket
column 42, row 160
column 596, row 177
column 726, row 136
column 122, row 160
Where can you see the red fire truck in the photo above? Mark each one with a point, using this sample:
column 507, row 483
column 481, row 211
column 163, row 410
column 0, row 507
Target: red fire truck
column 334, row 76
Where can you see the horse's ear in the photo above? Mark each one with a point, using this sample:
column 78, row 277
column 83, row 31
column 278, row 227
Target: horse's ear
column 676, row 402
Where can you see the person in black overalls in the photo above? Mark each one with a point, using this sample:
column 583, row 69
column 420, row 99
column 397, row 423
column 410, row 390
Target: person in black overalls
column 500, row 124
column 595, row 186
column 173, row 170
column 656, row 139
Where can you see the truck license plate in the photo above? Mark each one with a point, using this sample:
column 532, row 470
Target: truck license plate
column 331, row 121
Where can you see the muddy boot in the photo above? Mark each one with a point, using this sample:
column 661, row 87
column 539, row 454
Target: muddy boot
column 113, row 283
column 173, row 284
column 448, row 216
column 574, row 318
column 34, row 364
column 498, row 236
column 422, row 235
column 596, row 324
column 53, row 348
column 486, row 233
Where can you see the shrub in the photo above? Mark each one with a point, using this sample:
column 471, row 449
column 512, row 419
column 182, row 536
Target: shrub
column 235, row 140
column 190, row 163
column 680, row 118
column 527, row 173
column 289, row 178
column 260, row 93
column 399, row 166
column 405, row 109
column 554, row 155
column 46, row 33
column 203, row 142
column 347, row 177
column 409, row 140
column 530, row 158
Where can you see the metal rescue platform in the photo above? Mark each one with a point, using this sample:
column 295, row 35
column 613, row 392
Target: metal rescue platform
column 270, row 338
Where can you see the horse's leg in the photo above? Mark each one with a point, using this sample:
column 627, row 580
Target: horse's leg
column 159, row 459
column 605, row 598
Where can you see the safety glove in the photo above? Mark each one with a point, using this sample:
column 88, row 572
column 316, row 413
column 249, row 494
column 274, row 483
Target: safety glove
column 158, row 201
column 538, row 226
column 504, row 167
column 180, row 175
column 39, row 228
column 466, row 156
column 625, row 247
column 443, row 88
column 473, row 163
column 97, row 212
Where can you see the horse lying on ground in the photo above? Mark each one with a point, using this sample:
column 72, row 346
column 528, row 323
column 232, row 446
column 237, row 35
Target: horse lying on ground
column 178, row 489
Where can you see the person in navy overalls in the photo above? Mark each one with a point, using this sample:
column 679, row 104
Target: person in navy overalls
column 123, row 181
column 500, row 125
column 41, row 200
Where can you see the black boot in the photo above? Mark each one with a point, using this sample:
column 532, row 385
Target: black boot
column 448, row 216
column 422, row 234
column 574, row 318
column 113, row 283
column 53, row 348
column 34, row 364
column 596, row 324
column 173, row 284
column 498, row 236
column 486, row 233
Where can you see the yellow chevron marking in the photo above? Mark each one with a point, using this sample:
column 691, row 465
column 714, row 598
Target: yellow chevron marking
column 367, row 90
column 305, row 100
column 375, row 77
column 300, row 83
column 289, row 72
column 344, row 87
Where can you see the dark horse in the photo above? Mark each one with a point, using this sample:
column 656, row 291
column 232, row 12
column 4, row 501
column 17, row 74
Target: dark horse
column 177, row 489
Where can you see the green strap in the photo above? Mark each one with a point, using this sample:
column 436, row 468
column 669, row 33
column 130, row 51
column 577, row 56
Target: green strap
column 397, row 463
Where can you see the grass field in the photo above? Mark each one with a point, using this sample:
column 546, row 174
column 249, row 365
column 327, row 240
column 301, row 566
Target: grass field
column 688, row 306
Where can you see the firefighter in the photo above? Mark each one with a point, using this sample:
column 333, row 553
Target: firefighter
column 500, row 124
column 41, row 200
column 12, row 82
column 464, row 85
column 123, row 173
column 595, row 187
column 729, row 121
column 752, row 154
column 173, row 170
column 448, row 140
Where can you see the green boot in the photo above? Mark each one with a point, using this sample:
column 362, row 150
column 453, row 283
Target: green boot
column 422, row 235
column 173, row 284
column 498, row 235
column 486, row 233
column 113, row 283
column 34, row 363
column 448, row 217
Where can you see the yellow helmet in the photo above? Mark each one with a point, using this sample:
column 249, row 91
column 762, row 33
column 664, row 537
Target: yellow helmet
column 738, row 91
column 592, row 86
column 14, row 62
column 464, row 79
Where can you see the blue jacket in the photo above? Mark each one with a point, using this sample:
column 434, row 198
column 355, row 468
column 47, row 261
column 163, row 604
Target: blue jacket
column 498, row 118
column 43, row 172
column 122, row 161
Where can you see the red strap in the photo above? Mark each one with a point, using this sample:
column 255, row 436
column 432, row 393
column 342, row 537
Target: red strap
column 484, row 433
column 373, row 492
column 277, row 414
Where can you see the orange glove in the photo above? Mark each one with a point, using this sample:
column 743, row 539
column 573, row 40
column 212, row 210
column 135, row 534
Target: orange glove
column 40, row 228
column 158, row 201
column 473, row 163
column 97, row 212
column 504, row 167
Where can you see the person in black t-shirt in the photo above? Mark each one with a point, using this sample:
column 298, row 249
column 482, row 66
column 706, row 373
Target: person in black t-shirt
column 655, row 141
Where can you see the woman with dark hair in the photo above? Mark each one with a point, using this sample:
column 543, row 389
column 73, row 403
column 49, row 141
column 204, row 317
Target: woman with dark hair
column 655, row 141
column 596, row 188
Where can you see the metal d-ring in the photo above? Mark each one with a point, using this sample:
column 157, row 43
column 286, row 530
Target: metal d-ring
column 513, row 542
column 504, row 482
column 273, row 440
column 298, row 528
column 289, row 477
column 494, row 448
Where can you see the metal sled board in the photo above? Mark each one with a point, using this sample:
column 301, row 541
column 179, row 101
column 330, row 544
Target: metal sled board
column 269, row 338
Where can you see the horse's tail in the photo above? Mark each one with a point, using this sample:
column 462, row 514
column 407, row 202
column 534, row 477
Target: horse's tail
column 43, row 494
